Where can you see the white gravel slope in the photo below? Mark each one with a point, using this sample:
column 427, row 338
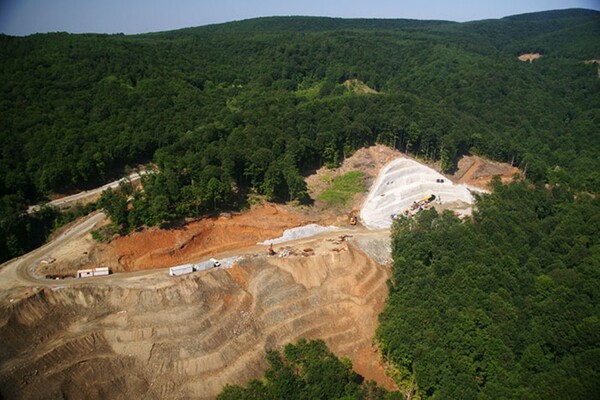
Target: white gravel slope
column 299, row 233
column 404, row 181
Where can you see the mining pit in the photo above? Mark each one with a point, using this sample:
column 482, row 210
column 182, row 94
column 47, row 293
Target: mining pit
column 187, row 337
column 139, row 333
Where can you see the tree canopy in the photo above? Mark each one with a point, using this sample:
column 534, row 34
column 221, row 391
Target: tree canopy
column 503, row 305
column 252, row 106
column 308, row 370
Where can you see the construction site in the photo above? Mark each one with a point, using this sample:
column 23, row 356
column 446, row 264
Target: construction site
column 405, row 186
column 186, row 311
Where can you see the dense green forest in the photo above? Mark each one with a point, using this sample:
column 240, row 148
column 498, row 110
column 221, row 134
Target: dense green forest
column 308, row 370
column 503, row 306
column 252, row 106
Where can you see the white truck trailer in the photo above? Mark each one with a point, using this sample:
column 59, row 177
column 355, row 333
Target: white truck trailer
column 86, row 273
column 181, row 270
column 101, row 271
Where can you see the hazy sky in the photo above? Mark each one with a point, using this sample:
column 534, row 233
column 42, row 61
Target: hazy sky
column 23, row 17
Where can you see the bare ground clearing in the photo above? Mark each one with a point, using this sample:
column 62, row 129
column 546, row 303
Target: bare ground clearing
column 189, row 336
column 529, row 57
column 479, row 172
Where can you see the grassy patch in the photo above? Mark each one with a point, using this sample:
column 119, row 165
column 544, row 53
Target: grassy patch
column 343, row 188
column 310, row 93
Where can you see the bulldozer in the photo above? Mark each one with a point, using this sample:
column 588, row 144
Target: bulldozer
column 352, row 217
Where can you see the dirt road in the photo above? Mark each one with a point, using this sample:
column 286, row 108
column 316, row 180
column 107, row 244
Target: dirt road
column 68, row 201
column 20, row 271
column 187, row 337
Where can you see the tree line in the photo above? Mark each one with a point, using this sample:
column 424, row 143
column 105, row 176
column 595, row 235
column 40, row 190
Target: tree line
column 502, row 305
column 253, row 107
column 308, row 370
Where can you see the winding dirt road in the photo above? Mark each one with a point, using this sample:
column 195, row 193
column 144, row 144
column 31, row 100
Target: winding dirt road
column 20, row 271
column 68, row 201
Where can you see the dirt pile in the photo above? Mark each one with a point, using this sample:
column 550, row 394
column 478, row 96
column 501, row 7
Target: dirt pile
column 187, row 337
column 478, row 172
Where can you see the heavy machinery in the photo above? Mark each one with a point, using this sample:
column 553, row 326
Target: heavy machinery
column 352, row 217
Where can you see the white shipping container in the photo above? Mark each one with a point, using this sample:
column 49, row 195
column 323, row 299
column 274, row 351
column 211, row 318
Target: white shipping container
column 101, row 271
column 181, row 270
column 84, row 273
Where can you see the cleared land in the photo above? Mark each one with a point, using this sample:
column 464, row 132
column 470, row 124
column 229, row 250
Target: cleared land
column 187, row 337
column 405, row 181
column 478, row 172
column 529, row 57
column 343, row 188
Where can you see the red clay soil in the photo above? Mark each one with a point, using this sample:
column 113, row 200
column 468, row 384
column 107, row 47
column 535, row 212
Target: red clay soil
column 159, row 248
column 370, row 366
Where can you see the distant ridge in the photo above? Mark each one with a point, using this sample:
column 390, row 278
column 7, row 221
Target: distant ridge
column 553, row 14
column 308, row 24
column 321, row 24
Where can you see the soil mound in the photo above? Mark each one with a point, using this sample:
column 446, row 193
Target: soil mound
column 158, row 248
column 478, row 172
column 187, row 337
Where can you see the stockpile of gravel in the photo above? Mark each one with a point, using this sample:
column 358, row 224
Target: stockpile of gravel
column 299, row 233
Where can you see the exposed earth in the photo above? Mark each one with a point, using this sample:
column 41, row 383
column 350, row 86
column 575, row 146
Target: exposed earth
column 478, row 172
column 404, row 187
column 144, row 334
column 359, row 87
column 152, row 336
column 529, row 57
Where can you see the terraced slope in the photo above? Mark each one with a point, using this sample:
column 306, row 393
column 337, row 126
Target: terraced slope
column 404, row 181
column 187, row 337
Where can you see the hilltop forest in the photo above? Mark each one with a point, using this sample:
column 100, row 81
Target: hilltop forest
column 503, row 305
column 252, row 106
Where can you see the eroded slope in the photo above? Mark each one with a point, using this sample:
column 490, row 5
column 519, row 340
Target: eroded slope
column 188, row 337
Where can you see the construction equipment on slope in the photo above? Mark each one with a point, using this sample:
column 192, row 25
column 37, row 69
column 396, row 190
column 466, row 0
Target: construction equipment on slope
column 352, row 217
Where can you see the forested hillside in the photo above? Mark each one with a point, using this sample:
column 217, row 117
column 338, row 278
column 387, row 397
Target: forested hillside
column 503, row 306
column 500, row 305
column 252, row 106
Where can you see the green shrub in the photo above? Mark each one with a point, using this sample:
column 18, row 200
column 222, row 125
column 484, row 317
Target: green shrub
column 343, row 188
